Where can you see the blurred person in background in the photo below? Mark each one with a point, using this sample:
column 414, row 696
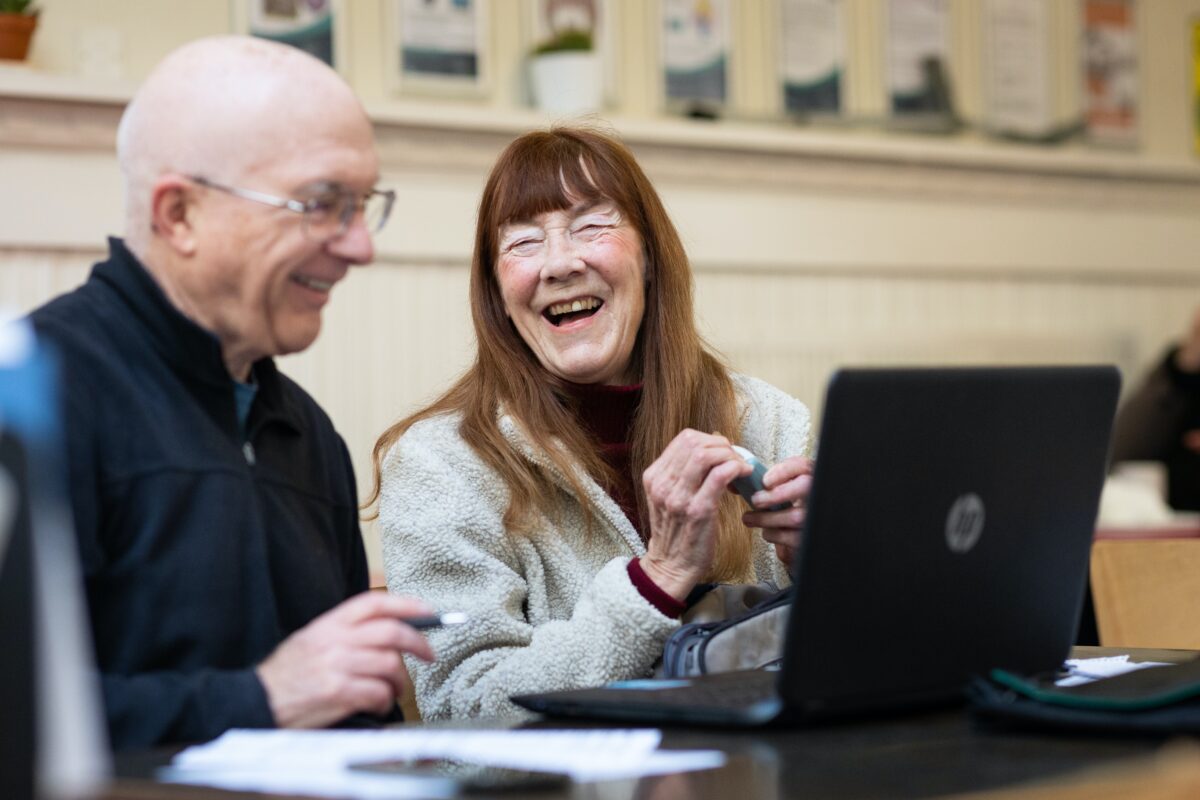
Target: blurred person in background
column 1160, row 420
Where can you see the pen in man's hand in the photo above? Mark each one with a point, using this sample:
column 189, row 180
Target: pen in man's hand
column 436, row 620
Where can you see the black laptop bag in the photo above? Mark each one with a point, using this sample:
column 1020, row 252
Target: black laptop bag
column 731, row 627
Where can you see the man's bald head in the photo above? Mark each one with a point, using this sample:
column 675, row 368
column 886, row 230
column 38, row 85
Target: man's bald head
column 224, row 107
column 221, row 147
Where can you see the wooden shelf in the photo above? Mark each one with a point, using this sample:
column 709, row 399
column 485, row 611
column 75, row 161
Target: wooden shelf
column 731, row 137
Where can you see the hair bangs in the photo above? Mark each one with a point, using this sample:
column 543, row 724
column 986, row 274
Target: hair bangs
column 545, row 179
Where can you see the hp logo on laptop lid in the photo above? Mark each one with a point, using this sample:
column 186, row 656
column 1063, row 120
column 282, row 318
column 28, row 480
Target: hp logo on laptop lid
column 964, row 523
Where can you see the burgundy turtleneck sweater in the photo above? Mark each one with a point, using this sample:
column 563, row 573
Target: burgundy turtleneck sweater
column 607, row 412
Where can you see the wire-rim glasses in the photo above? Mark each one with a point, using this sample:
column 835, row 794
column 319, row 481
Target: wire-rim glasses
column 328, row 213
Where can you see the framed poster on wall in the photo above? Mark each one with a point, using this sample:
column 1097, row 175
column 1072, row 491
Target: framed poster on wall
column 1195, row 45
column 1110, row 71
column 1017, row 86
column 917, row 55
column 695, row 52
column 439, row 46
column 812, row 55
column 310, row 25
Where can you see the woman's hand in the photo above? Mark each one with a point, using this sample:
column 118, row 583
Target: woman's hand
column 789, row 482
column 684, row 488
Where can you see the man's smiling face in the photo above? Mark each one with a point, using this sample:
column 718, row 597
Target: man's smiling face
column 261, row 280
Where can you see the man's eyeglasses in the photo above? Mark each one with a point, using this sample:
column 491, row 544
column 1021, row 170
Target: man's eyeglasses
column 326, row 215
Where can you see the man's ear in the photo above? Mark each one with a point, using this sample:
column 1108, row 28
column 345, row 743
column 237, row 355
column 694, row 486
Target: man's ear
column 172, row 212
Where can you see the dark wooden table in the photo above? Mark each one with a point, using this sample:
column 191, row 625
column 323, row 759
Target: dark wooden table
column 929, row 754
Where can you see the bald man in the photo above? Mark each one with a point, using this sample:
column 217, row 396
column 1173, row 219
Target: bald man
column 215, row 504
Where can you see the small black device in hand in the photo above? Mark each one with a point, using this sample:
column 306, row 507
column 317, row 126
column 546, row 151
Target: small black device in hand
column 747, row 485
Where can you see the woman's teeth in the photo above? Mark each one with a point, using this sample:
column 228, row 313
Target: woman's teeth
column 573, row 305
column 560, row 313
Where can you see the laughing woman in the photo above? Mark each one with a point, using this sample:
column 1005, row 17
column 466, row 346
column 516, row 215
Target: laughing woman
column 565, row 492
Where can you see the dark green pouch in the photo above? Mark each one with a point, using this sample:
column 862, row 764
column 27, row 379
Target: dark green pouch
column 1155, row 701
column 1151, row 687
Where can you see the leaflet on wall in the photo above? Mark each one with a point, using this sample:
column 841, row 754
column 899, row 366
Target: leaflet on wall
column 1016, row 68
column 917, row 55
column 597, row 17
column 1110, row 71
column 441, row 41
column 812, row 55
column 306, row 24
column 695, row 51
column 1196, row 83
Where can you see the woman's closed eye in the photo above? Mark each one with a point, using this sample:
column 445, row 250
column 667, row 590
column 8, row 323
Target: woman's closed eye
column 593, row 225
column 524, row 247
column 589, row 231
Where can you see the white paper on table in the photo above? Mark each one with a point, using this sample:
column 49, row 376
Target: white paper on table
column 314, row 763
column 1086, row 670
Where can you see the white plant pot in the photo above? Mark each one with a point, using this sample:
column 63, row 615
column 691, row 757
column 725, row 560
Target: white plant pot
column 567, row 83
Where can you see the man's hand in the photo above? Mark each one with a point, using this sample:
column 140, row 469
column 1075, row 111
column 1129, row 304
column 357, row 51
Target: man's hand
column 343, row 662
column 789, row 482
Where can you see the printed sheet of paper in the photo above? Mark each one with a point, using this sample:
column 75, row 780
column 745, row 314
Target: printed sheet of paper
column 813, row 57
column 1110, row 71
column 695, row 49
column 441, row 38
column 314, row 763
column 1016, row 76
column 307, row 25
column 917, row 32
column 1086, row 670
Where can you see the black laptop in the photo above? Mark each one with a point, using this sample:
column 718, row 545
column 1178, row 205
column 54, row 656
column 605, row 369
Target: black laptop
column 948, row 532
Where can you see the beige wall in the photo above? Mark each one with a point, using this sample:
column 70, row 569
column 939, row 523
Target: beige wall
column 812, row 247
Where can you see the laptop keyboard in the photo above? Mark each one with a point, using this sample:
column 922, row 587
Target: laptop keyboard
column 746, row 698
column 732, row 690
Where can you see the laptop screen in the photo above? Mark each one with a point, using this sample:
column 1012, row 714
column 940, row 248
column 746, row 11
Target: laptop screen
column 949, row 528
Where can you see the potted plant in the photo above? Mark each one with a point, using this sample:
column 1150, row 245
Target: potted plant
column 565, row 73
column 18, row 18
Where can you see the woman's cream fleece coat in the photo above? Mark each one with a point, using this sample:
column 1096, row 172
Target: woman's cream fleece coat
column 549, row 609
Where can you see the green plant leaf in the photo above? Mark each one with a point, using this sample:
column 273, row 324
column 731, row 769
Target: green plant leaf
column 17, row 7
column 564, row 41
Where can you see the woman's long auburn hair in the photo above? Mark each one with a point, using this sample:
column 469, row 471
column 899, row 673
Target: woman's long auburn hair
column 685, row 385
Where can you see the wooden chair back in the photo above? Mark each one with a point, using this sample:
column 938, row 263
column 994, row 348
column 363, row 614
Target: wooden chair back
column 1147, row 591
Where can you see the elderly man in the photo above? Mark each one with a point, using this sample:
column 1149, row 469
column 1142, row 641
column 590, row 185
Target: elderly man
column 215, row 504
